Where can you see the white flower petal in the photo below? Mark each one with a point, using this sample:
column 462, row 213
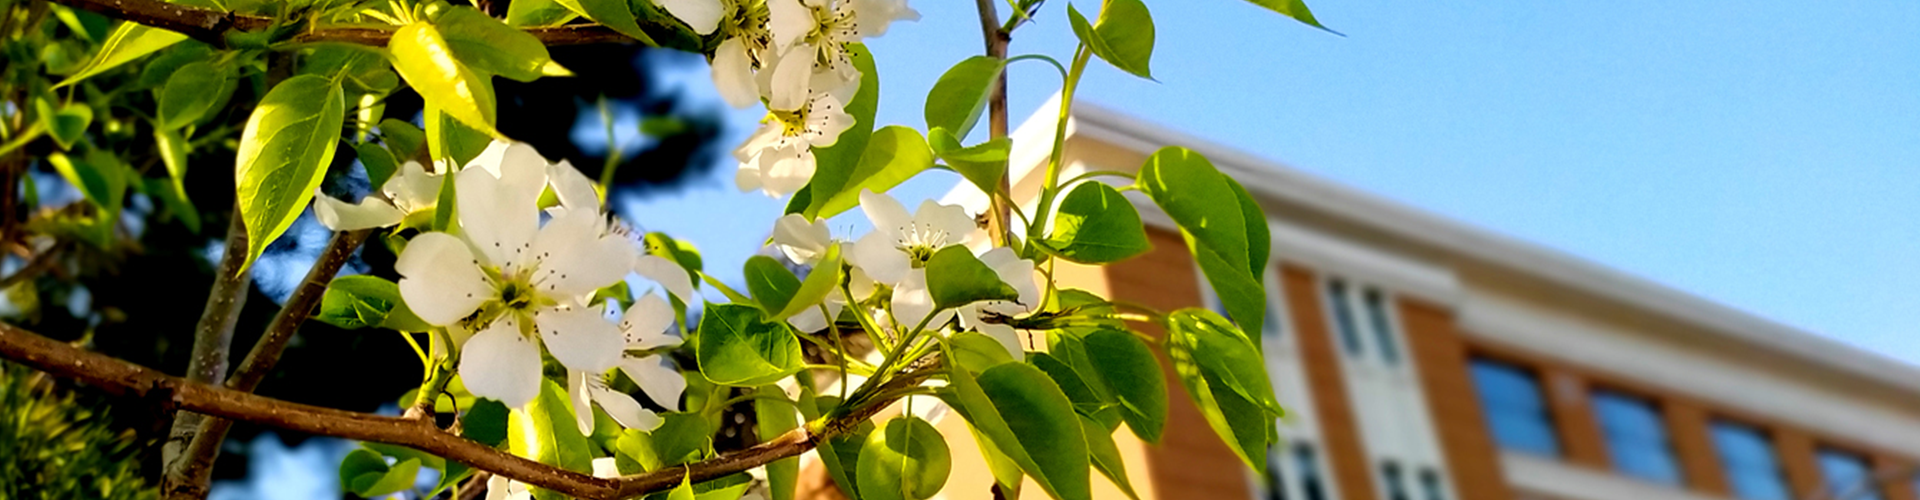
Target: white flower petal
column 582, row 400
column 668, row 274
column 701, row 15
column 887, row 214
column 657, row 377
column 645, row 324
column 1008, row 338
column 579, row 337
column 951, row 220
column 763, row 138
column 788, row 89
column 873, row 16
column 440, row 278
column 748, row 177
column 789, row 21
column 912, row 302
column 800, row 239
column 412, row 188
column 877, row 255
column 624, row 409
column 573, row 261
column 786, row 170
column 338, row 215
column 500, row 211
column 574, row 189
column 733, row 73
column 501, row 364
column 605, row 467
column 826, row 120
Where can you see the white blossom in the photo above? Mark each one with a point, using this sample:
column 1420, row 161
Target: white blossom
column 778, row 159
column 819, row 31
column 1018, row 273
column 409, row 191
column 745, row 41
column 902, row 242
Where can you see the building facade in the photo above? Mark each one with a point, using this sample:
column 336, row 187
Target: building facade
column 1423, row 359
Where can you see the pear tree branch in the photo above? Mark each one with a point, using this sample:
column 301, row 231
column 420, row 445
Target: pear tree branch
column 211, row 26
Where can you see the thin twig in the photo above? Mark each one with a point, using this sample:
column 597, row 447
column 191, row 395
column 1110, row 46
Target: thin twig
column 212, row 339
column 211, row 26
column 998, row 226
column 122, row 378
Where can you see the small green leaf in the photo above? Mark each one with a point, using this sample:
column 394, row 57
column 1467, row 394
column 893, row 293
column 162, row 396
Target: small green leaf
column 1026, row 417
column 615, row 14
column 97, row 177
column 681, row 438
column 397, row 479
column 406, row 141
column 362, row 301
column 835, row 165
column 977, row 352
column 771, row 284
column 893, row 155
column 65, row 123
column 1123, row 36
column 545, row 432
column 1085, row 400
column 485, row 422
column 284, row 153
column 378, row 161
column 906, row 460
column 961, row 94
column 956, row 278
column 168, row 61
column 773, row 418
column 359, row 463
column 398, row 452
column 526, row 13
column 739, row 347
column 194, row 92
column 820, row 282
column 685, row 490
column 129, row 41
column 1226, row 377
column 422, row 56
column 982, row 164
column 1096, row 225
column 1106, row 456
column 1127, row 367
column 1296, row 9
column 680, row 252
column 490, row 46
column 1228, row 239
column 450, row 140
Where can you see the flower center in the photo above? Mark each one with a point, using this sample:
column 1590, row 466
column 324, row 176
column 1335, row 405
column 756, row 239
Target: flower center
column 919, row 242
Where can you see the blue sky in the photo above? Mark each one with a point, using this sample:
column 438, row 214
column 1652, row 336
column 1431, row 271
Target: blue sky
column 1762, row 154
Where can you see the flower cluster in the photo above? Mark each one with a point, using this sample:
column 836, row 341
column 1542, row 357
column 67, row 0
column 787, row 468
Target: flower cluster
column 794, row 55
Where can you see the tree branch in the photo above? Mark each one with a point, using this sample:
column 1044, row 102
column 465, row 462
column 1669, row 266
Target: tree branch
column 191, row 475
column 211, row 26
column 212, row 339
column 122, row 378
column 996, row 40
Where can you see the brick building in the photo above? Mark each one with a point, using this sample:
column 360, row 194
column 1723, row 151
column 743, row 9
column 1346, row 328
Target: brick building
column 1424, row 359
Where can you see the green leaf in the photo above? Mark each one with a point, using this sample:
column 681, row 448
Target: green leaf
column 681, row 438
column 490, row 46
column 961, row 94
column 977, row 352
column 1227, row 379
column 1127, row 367
column 1227, row 238
column 397, row 479
column 1026, row 417
column 100, row 181
column 168, row 61
column 1096, row 225
column 956, row 278
column 893, row 155
column 362, row 463
column 771, row 284
column 739, row 347
column 405, row 140
column 1085, row 400
column 1106, row 455
column 449, row 140
column 680, row 252
column 284, row 153
column 65, row 123
column 1123, row 36
column 1296, row 9
column 526, row 13
column 545, row 431
column 820, row 282
column 615, row 14
column 365, row 68
column 422, row 56
column 362, row 301
column 835, row 165
column 982, row 164
column 906, row 460
column 194, row 92
column 378, row 161
column 129, row 41
column 774, row 418
column 485, row 422
column 685, row 490
column 398, row 452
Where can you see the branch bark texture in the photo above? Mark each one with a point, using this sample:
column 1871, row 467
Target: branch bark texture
column 212, row 339
column 211, row 26
column 996, row 45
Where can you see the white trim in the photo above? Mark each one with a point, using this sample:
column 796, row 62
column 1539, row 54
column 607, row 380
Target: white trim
column 1559, row 480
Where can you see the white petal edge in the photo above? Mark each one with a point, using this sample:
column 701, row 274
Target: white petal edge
column 440, row 278
column 579, row 337
column 500, row 364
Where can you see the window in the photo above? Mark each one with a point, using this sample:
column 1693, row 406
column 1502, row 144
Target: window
column 1396, row 485
column 1847, row 475
column 1430, row 481
column 1276, row 484
column 1516, row 410
column 1343, row 317
column 1312, row 483
column 1636, row 437
column 1382, row 326
column 1273, row 327
column 1753, row 469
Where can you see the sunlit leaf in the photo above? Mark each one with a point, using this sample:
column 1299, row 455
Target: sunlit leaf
column 905, row 460
column 129, row 41
column 1123, row 36
column 194, row 92
column 958, row 98
column 422, row 56
column 956, row 278
column 739, row 347
column 490, row 46
column 284, row 152
column 1096, row 225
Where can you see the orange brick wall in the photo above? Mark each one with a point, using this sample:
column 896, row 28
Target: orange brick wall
column 1441, row 358
column 1339, row 428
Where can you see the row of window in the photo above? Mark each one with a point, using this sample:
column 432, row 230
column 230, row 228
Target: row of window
column 1636, row 437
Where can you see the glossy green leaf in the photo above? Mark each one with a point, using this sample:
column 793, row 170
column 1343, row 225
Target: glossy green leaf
column 1195, row 194
column 1096, row 225
column 378, row 161
column 773, row 418
column 681, row 438
column 362, row 69
column 363, row 301
column 1123, row 36
column 397, row 479
column 545, row 431
column 1296, row 9
column 1025, row 417
column 835, row 165
column 398, row 452
column 893, row 155
column 1106, row 455
column 740, row 347
column 959, row 97
column 1128, row 368
column 100, row 181
column 528, row 13
column 771, row 284
column 166, row 62
column 64, row 123
column 194, row 92
column 361, row 463
column 977, row 352
column 679, row 252
column 284, row 153
column 173, row 191
column 982, row 164
column 485, row 422
column 685, row 490
column 906, row 460
column 615, row 14
column 490, row 46
column 450, row 140
column 129, row 41
column 956, row 278
column 423, row 57
column 406, row 141
column 821, row 281
column 1227, row 379
column 1085, row 400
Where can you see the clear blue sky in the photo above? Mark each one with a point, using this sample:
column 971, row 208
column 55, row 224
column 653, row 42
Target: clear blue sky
column 1762, row 154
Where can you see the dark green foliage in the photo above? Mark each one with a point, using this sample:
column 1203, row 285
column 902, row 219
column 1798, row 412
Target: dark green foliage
column 61, row 445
